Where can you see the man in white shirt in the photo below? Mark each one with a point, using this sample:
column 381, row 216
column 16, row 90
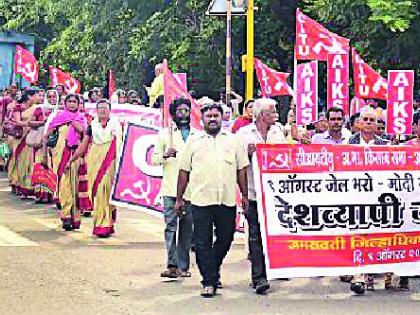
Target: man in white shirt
column 263, row 130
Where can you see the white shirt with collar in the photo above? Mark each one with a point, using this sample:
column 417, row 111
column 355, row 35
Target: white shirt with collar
column 250, row 135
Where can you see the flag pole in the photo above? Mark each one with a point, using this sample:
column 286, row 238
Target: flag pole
column 249, row 95
column 228, row 49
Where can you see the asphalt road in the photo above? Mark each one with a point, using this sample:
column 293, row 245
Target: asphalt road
column 44, row 270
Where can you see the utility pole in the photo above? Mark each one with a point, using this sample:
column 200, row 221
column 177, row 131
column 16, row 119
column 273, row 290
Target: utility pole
column 249, row 90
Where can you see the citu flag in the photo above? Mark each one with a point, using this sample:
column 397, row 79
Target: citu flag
column 272, row 82
column 315, row 42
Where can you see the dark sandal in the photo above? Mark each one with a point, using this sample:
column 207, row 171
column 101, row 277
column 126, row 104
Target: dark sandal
column 169, row 273
column 208, row 292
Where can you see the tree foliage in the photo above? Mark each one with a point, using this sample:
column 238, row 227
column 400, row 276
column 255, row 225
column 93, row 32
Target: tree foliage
column 89, row 37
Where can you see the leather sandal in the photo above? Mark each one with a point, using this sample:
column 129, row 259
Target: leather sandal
column 170, row 273
column 184, row 273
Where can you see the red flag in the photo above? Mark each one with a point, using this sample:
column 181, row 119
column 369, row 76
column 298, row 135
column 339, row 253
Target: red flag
column 111, row 83
column 173, row 89
column 315, row 42
column 400, row 102
column 338, row 81
column 26, row 65
column 272, row 82
column 58, row 76
column 367, row 82
column 307, row 93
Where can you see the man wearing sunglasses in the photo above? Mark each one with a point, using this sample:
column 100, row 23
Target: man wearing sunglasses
column 211, row 165
column 335, row 133
column 178, row 229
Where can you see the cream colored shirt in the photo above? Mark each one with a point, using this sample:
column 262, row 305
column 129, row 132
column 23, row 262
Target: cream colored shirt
column 250, row 135
column 213, row 163
column 170, row 165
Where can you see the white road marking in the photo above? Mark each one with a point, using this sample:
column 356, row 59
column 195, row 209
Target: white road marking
column 11, row 239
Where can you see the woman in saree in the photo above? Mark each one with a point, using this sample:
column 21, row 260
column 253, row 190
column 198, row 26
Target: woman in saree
column 245, row 119
column 24, row 155
column 103, row 139
column 70, row 124
column 41, row 114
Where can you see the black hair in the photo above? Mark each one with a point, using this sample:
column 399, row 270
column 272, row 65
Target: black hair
column 416, row 118
column 334, row 110
column 353, row 119
column 68, row 96
column 30, row 92
column 23, row 99
column 91, row 92
column 103, row 101
column 210, row 106
column 176, row 102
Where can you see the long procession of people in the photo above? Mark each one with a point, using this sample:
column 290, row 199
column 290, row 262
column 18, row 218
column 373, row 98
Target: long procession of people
column 201, row 169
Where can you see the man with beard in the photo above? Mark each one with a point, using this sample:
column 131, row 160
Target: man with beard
column 335, row 133
column 171, row 141
column 211, row 165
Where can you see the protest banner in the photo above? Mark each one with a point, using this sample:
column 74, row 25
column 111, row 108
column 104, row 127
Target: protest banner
column 311, row 222
column 338, row 81
column 137, row 183
column 400, row 102
column 26, row 65
column 315, row 42
column 133, row 113
column 307, row 93
column 272, row 82
column 367, row 82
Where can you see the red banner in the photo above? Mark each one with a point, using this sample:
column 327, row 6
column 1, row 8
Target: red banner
column 307, row 93
column 338, row 81
column 57, row 76
column 400, row 102
column 311, row 222
column 26, row 65
column 44, row 177
column 173, row 88
column 367, row 82
column 315, row 42
column 272, row 82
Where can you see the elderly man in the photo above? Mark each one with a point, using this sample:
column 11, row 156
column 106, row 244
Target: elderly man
column 171, row 141
column 335, row 133
column 265, row 129
column 366, row 137
column 211, row 165
column 156, row 89
column 367, row 134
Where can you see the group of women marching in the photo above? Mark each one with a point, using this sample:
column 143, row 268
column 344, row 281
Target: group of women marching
column 52, row 129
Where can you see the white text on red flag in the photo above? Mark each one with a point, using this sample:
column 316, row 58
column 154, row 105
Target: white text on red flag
column 338, row 81
column 307, row 93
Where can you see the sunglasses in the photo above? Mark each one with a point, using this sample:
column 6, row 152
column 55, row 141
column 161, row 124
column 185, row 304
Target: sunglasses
column 370, row 119
column 336, row 119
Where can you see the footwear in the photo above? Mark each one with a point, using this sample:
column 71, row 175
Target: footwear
column 170, row 273
column 403, row 285
column 67, row 226
column 219, row 285
column 208, row 292
column 346, row 279
column 184, row 273
column 262, row 286
column 358, row 288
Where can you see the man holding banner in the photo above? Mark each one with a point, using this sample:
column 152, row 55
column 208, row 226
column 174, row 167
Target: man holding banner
column 171, row 141
column 211, row 165
column 264, row 130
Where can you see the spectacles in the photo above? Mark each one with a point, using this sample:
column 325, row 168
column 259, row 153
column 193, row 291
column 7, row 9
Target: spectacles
column 336, row 119
column 370, row 119
column 187, row 110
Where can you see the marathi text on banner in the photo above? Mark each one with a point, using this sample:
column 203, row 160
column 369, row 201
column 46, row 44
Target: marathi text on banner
column 314, row 226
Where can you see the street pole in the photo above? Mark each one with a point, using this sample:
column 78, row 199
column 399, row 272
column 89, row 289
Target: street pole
column 249, row 91
column 228, row 49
